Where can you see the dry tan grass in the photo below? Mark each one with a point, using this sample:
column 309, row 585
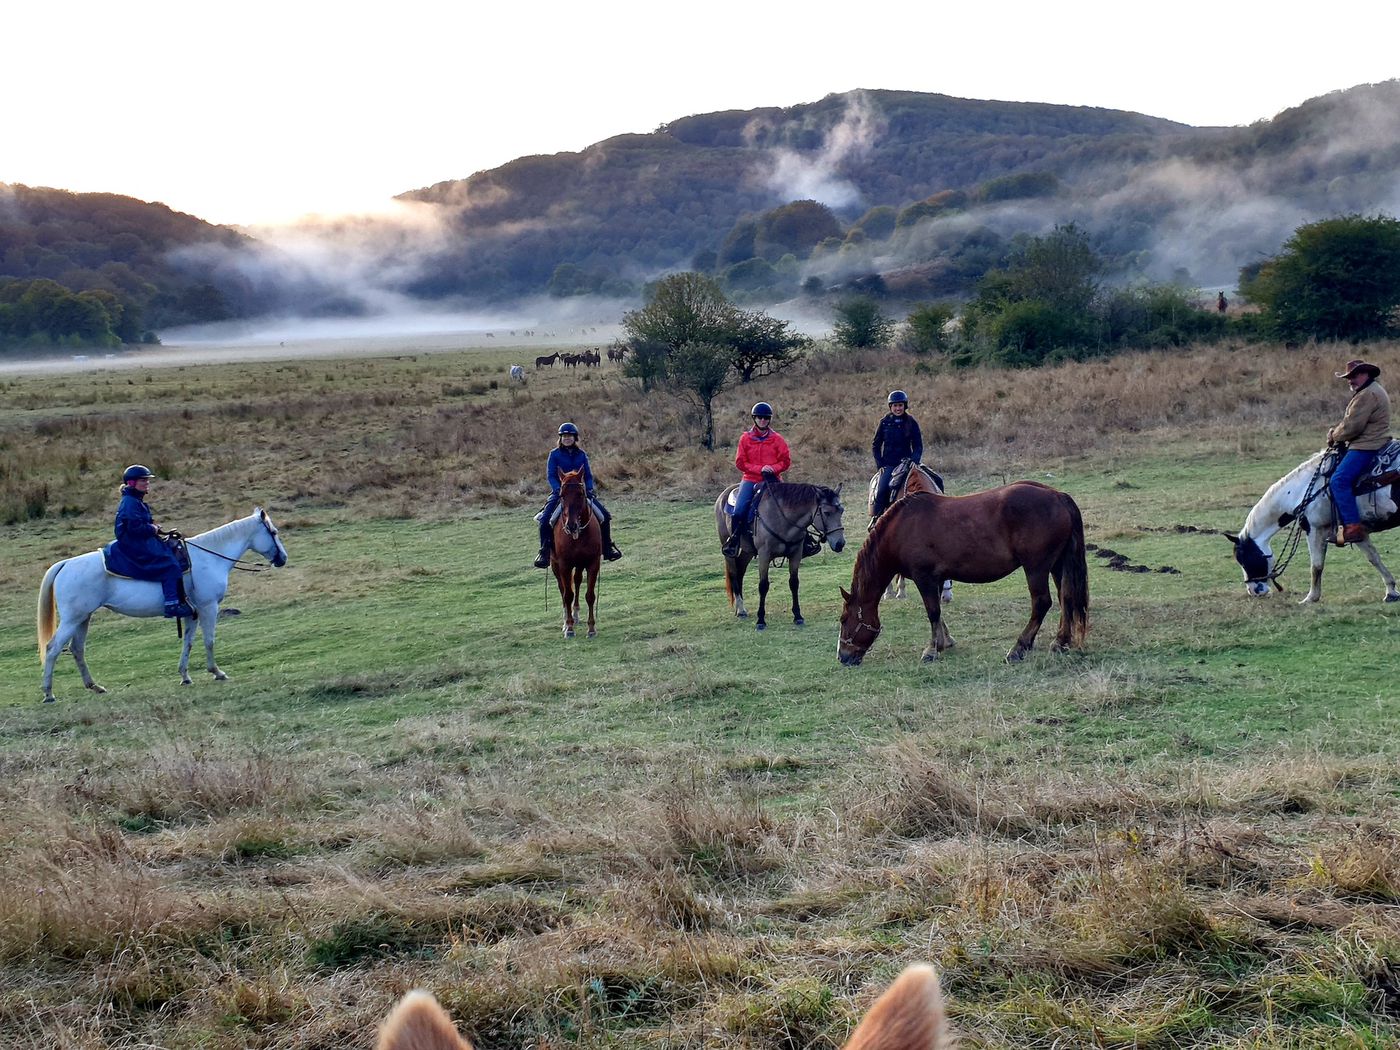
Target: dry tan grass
column 387, row 434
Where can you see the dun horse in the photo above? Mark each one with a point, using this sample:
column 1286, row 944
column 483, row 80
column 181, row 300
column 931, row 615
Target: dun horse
column 74, row 589
column 972, row 539
column 578, row 548
column 785, row 512
column 1302, row 494
column 909, row 1016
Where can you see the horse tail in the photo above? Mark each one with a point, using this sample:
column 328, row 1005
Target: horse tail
column 48, row 609
column 1074, row 581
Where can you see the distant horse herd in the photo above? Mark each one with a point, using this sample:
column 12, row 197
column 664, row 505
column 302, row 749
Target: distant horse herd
column 587, row 358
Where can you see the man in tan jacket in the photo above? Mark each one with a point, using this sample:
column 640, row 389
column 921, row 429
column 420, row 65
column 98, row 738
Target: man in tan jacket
column 1365, row 429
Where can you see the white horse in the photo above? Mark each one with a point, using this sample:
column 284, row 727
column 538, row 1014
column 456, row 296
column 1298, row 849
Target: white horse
column 517, row 373
column 1303, row 492
column 77, row 587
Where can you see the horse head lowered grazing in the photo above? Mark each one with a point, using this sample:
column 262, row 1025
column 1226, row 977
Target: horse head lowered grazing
column 908, row 1016
column 74, row 589
column 972, row 539
column 1299, row 499
column 578, row 548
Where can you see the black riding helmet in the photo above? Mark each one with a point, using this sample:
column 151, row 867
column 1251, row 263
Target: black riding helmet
column 135, row 472
column 568, row 428
column 899, row 397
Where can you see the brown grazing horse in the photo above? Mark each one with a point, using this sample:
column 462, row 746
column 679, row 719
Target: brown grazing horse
column 578, row 547
column 909, row 1016
column 972, row 539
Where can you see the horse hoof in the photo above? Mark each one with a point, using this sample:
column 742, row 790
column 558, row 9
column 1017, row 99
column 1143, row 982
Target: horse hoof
column 219, row 676
column 593, row 634
column 50, row 699
column 929, row 658
column 761, row 626
column 1392, row 597
column 569, row 633
column 1015, row 656
column 797, row 621
column 742, row 615
column 186, row 681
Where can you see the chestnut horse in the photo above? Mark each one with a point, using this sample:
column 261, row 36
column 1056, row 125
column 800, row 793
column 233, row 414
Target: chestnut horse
column 908, row 1016
column 973, row 539
column 915, row 478
column 578, row 547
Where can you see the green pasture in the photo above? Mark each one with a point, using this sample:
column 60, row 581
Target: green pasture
column 382, row 622
column 684, row 832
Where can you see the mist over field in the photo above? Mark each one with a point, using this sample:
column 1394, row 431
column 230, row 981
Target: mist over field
column 926, row 192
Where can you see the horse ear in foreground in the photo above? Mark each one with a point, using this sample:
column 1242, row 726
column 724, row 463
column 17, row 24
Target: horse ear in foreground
column 74, row 589
column 909, row 1016
column 972, row 539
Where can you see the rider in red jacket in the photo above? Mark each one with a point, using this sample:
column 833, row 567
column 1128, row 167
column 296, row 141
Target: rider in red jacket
column 763, row 455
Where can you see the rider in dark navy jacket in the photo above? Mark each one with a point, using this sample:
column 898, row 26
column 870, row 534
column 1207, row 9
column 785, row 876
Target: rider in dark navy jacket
column 897, row 438
column 565, row 457
column 140, row 551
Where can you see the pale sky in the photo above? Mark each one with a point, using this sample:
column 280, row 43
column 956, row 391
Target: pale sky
column 261, row 112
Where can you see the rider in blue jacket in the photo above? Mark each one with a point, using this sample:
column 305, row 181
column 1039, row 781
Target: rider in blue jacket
column 142, row 553
column 567, row 456
column 897, row 438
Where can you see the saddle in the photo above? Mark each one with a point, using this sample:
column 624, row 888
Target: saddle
column 1384, row 473
column 558, row 510
column 758, row 493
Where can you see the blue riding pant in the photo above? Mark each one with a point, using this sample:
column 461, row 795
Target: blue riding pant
column 1357, row 463
column 743, row 501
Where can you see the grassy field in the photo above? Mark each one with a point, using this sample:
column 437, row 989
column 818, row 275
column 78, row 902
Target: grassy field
column 684, row 832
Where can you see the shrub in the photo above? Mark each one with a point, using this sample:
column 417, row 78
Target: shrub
column 926, row 329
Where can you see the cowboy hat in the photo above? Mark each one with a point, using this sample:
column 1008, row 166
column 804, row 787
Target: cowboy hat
column 1359, row 366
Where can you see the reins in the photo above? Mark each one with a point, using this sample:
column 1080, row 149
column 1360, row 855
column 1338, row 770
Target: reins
column 238, row 564
column 1296, row 537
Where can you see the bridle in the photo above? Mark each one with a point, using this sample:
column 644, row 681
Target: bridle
column 238, row 563
column 861, row 625
column 575, row 530
column 819, row 531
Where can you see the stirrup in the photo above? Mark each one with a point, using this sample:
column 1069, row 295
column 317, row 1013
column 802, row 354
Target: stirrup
column 176, row 610
column 542, row 559
column 612, row 553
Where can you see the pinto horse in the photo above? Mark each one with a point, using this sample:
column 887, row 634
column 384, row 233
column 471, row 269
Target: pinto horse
column 74, row 589
column 1302, row 494
column 578, row 547
column 973, row 539
column 908, row 1016
column 785, row 512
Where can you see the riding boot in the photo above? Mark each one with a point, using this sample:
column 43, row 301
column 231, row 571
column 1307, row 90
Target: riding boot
column 1354, row 534
column 546, row 545
column 174, row 603
column 610, row 551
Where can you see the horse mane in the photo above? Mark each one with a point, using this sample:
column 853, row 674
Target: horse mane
column 1270, row 497
column 866, row 557
column 216, row 534
column 801, row 491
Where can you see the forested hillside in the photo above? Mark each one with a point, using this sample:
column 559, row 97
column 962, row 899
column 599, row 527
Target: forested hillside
column 912, row 195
